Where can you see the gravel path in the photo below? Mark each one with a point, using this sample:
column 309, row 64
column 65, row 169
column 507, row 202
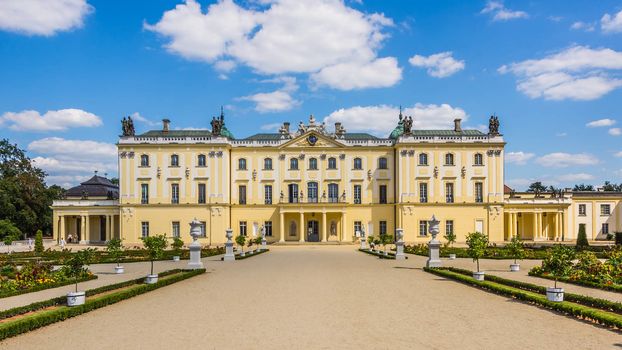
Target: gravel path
column 318, row 297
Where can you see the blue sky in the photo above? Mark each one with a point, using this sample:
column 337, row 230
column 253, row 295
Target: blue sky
column 551, row 70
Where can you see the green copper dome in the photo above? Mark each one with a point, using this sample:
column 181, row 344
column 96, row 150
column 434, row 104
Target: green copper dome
column 226, row 133
column 398, row 131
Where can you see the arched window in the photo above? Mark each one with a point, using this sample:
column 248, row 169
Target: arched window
column 201, row 160
column 449, row 159
column 312, row 163
column 382, row 163
column 358, row 164
column 174, row 160
column 423, row 159
column 242, row 164
column 144, row 160
column 332, row 163
column 312, row 192
column 333, row 193
column 478, row 159
column 267, row 164
column 293, row 164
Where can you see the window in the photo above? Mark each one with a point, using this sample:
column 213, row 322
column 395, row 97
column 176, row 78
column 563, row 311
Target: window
column 357, row 194
column 358, row 227
column 479, row 192
column 267, row 192
column 582, row 210
column 423, row 159
column 267, row 164
column 144, row 228
column 175, row 193
column 201, row 160
column 243, row 228
column 605, row 209
column 144, row 194
column 449, row 227
column 333, row 193
column 358, row 164
column 175, row 230
column 449, row 192
column 332, row 163
column 383, row 227
column 605, row 229
column 312, row 192
column 312, row 163
column 241, row 164
column 242, row 194
column 174, row 160
column 202, row 227
column 201, row 193
column 382, row 189
column 478, row 159
column 144, row 160
column 449, row 159
column 382, row 163
column 423, row 228
column 293, row 164
column 268, row 228
column 423, row 192
column 293, row 193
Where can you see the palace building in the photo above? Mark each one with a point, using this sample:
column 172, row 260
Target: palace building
column 312, row 184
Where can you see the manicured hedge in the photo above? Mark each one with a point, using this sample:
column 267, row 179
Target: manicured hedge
column 246, row 255
column 497, row 253
column 575, row 298
column 44, row 318
column 41, row 287
column 380, row 255
column 598, row 316
column 608, row 287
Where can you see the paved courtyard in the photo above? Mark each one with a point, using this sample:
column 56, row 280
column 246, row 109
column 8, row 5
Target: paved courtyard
column 318, row 297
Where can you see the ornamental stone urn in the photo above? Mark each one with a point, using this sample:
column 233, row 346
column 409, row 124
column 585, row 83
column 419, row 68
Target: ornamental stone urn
column 399, row 244
column 434, row 245
column 229, row 256
column 195, row 246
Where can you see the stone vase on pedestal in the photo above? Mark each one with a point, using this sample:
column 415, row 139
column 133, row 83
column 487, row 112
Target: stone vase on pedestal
column 399, row 244
column 434, row 246
column 195, row 247
column 229, row 256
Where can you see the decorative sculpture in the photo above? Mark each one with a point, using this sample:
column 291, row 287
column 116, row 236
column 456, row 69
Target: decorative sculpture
column 434, row 245
column 229, row 256
column 263, row 238
column 399, row 244
column 363, row 239
column 493, row 125
column 127, row 126
column 195, row 247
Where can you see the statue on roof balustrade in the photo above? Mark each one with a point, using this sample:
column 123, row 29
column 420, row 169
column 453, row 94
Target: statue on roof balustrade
column 493, row 125
column 127, row 126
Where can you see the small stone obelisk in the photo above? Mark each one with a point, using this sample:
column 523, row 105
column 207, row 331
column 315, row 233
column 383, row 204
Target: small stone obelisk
column 399, row 244
column 195, row 246
column 229, row 256
column 434, row 245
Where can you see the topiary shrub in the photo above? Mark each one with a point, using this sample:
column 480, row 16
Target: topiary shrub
column 558, row 262
column 582, row 242
column 477, row 242
column 515, row 248
column 155, row 246
column 618, row 238
column 39, row 242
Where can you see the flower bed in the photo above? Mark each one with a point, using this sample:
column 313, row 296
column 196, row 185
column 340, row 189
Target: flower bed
column 381, row 255
column 26, row 318
column 606, row 318
column 531, row 252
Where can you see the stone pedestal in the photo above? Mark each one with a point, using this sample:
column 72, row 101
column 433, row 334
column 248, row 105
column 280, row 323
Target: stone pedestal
column 229, row 256
column 399, row 244
column 434, row 245
column 195, row 247
column 264, row 245
column 361, row 235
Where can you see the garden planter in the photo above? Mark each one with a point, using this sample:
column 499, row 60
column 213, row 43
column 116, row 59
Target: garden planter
column 452, row 256
column 151, row 279
column 176, row 258
column 243, row 254
column 478, row 275
column 119, row 269
column 75, row 298
column 514, row 267
column 555, row 294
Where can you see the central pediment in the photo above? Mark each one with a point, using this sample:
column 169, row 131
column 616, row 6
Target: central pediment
column 312, row 139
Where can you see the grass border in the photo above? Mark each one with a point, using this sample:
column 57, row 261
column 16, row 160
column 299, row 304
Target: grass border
column 611, row 320
column 390, row 256
column 41, row 287
column 44, row 318
column 610, row 288
column 246, row 255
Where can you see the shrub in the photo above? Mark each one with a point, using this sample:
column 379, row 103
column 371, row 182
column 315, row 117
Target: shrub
column 257, row 241
column 515, row 248
column 9, row 232
column 558, row 262
column 451, row 239
column 582, row 242
column 385, row 239
column 477, row 243
column 39, row 242
column 240, row 240
column 370, row 240
column 74, row 266
column 177, row 245
column 155, row 246
column 114, row 247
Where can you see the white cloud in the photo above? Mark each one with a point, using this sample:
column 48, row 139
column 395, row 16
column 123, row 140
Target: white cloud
column 138, row 117
column 563, row 160
column 615, row 131
column 611, row 23
column 381, row 119
column 575, row 177
column 600, row 123
column 500, row 13
column 318, row 37
column 66, row 159
column 588, row 27
column 276, row 101
column 42, row 17
column 619, row 154
column 519, row 158
column 59, row 120
column 578, row 73
column 270, row 127
column 439, row 65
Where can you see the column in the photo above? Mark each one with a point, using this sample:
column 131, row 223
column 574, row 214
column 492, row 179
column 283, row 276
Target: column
column 344, row 227
column 513, row 225
column 557, row 226
column 302, row 227
column 61, row 228
column 107, row 227
column 539, row 229
column 282, row 227
column 535, row 226
column 87, row 233
column 323, row 227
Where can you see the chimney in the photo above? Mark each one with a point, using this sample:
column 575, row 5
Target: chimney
column 286, row 126
column 457, row 127
column 165, row 124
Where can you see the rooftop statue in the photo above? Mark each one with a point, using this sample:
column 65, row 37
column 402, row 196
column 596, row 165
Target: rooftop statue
column 493, row 125
column 218, row 126
column 127, row 127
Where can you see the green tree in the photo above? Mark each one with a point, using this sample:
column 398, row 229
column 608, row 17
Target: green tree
column 582, row 238
column 583, row 187
column 177, row 244
column 537, row 187
column 515, row 248
column 477, row 243
column 114, row 247
column 384, row 240
column 8, row 233
column 612, row 187
column 155, row 246
column 558, row 262
column 39, row 242
column 75, row 265
column 451, row 239
column 240, row 240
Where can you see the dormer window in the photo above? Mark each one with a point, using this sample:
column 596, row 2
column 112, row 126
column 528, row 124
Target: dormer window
column 174, row 160
column 242, row 164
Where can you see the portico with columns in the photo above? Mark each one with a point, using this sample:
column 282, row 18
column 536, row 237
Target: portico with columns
column 313, row 224
column 536, row 217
